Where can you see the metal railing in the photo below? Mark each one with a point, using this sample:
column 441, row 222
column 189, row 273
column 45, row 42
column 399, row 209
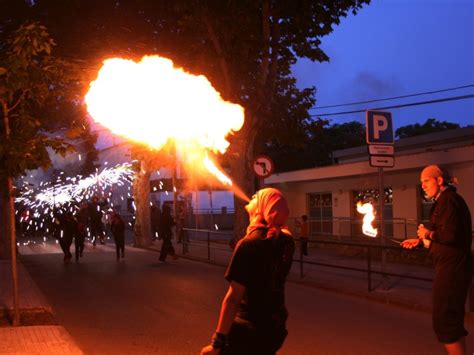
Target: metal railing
column 202, row 238
column 351, row 226
column 369, row 247
column 213, row 240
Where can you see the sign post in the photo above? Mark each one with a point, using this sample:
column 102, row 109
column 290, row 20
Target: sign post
column 379, row 137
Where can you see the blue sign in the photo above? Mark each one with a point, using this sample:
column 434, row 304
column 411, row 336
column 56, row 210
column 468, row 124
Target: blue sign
column 379, row 128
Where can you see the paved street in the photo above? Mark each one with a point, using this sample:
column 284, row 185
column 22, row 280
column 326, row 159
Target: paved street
column 140, row 306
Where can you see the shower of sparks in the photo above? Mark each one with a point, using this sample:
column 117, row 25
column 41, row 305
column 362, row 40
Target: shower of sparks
column 76, row 189
column 65, row 195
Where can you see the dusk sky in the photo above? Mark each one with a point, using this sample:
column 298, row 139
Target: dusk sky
column 395, row 48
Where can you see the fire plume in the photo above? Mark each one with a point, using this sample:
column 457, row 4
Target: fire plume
column 368, row 210
column 153, row 102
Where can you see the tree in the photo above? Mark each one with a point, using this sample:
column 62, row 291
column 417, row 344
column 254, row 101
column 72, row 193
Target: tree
column 315, row 147
column 430, row 126
column 29, row 76
column 255, row 43
column 246, row 48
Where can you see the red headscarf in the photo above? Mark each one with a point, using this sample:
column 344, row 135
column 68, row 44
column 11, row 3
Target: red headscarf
column 271, row 212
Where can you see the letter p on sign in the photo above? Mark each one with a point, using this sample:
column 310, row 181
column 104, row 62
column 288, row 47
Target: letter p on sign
column 379, row 129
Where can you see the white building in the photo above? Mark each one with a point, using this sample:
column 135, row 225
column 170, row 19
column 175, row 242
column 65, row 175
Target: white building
column 328, row 195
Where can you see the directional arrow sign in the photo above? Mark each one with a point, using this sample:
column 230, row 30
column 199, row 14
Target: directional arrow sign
column 382, row 161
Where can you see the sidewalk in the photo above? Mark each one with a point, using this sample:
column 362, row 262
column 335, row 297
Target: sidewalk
column 29, row 337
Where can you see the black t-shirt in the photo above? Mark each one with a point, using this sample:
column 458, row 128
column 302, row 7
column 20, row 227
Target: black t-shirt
column 451, row 223
column 262, row 265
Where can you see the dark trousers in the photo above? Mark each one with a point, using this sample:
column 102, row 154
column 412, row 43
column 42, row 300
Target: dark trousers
column 79, row 245
column 65, row 243
column 119, row 245
column 166, row 248
column 97, row 231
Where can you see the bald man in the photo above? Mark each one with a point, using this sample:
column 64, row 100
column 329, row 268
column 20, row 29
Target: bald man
column 449, row 240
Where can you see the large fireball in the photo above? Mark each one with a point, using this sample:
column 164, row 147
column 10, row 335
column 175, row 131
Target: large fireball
column 152, row 101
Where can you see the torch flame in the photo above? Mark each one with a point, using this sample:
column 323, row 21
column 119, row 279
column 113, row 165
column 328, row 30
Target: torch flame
column 368, row 210
column 153, row 102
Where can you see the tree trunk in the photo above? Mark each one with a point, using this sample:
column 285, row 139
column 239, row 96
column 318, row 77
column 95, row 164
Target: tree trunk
column 244, row 178
column 141, row 194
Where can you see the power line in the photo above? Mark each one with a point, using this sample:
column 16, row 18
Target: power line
column 394, row 97
column 453, row 98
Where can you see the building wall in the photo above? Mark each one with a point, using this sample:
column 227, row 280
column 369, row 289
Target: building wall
column 406, row 208
column 406, row 195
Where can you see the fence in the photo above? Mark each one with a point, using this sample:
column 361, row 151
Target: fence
column 218, row 241
column 400, row 228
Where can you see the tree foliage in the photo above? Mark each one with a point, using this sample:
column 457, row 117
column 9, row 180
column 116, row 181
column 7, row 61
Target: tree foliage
column 315, row 147
column 430, row 126
column 34, row 89
column 245, row 48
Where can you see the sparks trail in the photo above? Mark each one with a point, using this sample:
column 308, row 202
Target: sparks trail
column 64, row 195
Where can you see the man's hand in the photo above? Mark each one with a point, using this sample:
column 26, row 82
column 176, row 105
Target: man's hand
column 410, row 243
column 210, row 350
column 423, row 232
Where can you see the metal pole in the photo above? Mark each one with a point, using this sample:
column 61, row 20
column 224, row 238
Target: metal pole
column 208, row 245
column 301, row 260
column 196, row 209
column 11, row 212
column 369, row 270
column 382, row 222
column 212, row 208
column 405, row 228
column 175, row 191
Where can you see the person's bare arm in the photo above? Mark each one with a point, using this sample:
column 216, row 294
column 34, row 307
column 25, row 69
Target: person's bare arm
column 229, row 308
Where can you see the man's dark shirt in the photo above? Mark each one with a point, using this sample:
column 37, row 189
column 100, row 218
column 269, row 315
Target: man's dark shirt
column 451, row 224
column 451, row 252
column 262, row 265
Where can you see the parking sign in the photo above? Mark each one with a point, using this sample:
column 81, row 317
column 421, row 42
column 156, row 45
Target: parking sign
column 379, row 128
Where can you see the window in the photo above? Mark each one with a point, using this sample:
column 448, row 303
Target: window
column 320, row 213
column 372, row 195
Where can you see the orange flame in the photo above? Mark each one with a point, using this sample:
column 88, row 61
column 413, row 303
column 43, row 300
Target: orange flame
column 153, row 102
column 209, row 164
column 368, row 210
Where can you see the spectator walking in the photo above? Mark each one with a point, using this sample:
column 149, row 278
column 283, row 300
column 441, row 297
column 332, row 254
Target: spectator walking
column 253, row 313
column 118, row 230
column 82, row 217
column 65, row 230
column 95, row 216
column 166, row 233
column 155, row 214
